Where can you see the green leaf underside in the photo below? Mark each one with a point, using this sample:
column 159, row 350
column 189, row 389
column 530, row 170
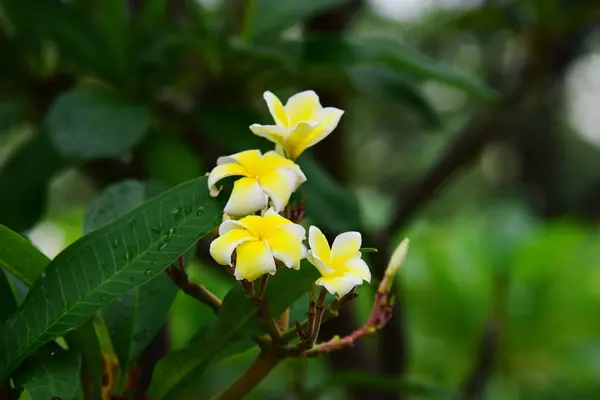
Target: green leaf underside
column 109, row 262
column 91, row 122
column 135, row 317
column 85, row 340
column 237, row 320
column 7, row 298
column 51, row 373
column 20, row 257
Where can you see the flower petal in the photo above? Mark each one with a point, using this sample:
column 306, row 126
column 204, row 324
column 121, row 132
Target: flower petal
column 339, row 285
column 319, row 245
column 328, row 119
column 229, row 225
column 253, row 223
column 273, row 133
column 251, row 160
column 253, row 260
column 324, row 270
column 272, row 220
column 286, row 244
column 278, row 184
column 272, row 160
column 276, row 109
column 246, row 198
column 359, row 268
column 223, row 171
column 302, row 106
column 301, row 132
column 345, row 246
column 222, row 247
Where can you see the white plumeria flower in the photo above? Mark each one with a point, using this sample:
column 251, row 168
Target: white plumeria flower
column 264, row 177
column 300, row 124
column 341, row 266
column 258, row 242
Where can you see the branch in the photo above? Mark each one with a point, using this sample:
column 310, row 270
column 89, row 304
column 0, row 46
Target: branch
column 195, row 290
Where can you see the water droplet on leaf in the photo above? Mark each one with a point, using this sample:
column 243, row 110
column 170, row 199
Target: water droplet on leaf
column 161, row 247
column 157, row 229
column 200, row 211
column 148, row 272
column 116, row 242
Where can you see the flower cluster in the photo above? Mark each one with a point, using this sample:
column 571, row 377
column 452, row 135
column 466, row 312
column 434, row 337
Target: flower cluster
column 255, row 239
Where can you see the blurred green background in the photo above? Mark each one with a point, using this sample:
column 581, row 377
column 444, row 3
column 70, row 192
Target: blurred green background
column 471, row 126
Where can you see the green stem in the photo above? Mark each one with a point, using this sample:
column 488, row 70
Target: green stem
column 260, row 368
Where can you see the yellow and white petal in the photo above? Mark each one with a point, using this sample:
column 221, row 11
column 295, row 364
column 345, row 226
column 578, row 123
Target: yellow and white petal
column 359, row 268
column 254, row 225
column 272, row 220
column 345, row 246
column 300, row 133
column 324, row 270
column 339, row 285
column 319, row 245
column 286, row 244
column 273, row 160
column 229, row 225
column 253, row 260
column 246, row 198
column 278, row 184
column 223, row 171
column 222, row 247
column 276, row 109
column 328, row 119
column 272, row 133
column 302, row 106
column 251, row 160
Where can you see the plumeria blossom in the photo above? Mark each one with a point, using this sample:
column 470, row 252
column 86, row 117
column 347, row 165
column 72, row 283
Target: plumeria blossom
column 341, row 266
column 263, row 177
column 258, row 242
column 300, row 124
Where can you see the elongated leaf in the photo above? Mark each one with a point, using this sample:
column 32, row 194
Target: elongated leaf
column 90, row 122
column 50, row 374
column 26, row 176
column 8, row 303
column 135, row 317
column 107, row 263
column 113, row 23
column 384, row 84
column 66, row 25
column 117, row 200
column 327, row 201
column 20, row 257
column 85, row 340
column 237, row 320
column 270, row 17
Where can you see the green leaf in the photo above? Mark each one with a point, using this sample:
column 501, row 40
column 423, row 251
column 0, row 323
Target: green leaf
column 327, row 201
column 51, row 373
column 152, row 14
column 90, row 122
column 268, row 18
column 7, row 298
column 169, row 159
column 101, row 266
column 117, row 200
column 25, row 178
column 66, row 25
column 85, row 340
column 135, row 317
column 20, row 257
column 114, row 26
column 230, row 128
column 11, row 113
column 384, row 84
column 237, row 319
column 411, row 63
